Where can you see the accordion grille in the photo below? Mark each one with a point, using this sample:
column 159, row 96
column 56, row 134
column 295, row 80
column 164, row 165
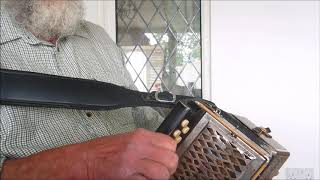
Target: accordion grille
column 211, row 156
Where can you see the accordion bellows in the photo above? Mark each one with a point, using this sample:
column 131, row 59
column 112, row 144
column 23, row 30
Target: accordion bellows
column 213, row 144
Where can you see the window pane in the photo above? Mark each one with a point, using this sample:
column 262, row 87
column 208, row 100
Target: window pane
column 161, row 41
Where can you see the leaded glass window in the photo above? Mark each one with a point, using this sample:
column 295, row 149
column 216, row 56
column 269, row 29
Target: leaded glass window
column 161, row 41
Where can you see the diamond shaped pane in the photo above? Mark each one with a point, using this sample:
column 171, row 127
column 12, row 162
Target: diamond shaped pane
column 179, row 24
column 169, row 79
column 161, row 40
column 132, row 71
column 137, row 3
column 195, row 24
column 168, row 9
column 182, row 88
column 157, row 86
column 156, row 59
column 122, row 30
column 149, row 74
column 138, row 60
column 157, row 3
column 125, row 10
column 149, row 45
column 169, row 45
column 189, row 75
column 189, row 9
column 140, row 85
column 147, row 10
column 147, row 50
column 158, row 25
column 197, row 2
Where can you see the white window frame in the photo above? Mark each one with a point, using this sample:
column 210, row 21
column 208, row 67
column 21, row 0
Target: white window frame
column 206, row 49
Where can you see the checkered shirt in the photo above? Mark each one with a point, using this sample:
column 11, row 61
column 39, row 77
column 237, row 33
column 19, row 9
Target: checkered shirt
column 89, row 54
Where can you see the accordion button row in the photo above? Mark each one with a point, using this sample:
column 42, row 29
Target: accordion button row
column 185, row 129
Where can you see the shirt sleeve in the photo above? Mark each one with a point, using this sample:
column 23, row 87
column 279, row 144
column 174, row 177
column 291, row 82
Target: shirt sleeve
column 147, row 118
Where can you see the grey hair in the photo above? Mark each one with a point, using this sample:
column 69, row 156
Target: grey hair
column 47, row 18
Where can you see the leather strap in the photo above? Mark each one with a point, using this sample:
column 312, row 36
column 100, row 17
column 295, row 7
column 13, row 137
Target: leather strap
column 21, row 88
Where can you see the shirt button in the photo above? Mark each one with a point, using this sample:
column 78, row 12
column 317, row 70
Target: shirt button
column 89, row 114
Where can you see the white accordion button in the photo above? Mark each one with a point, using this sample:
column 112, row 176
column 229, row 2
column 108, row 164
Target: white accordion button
column 184, row 123
column 176, row 133
column 178, row 139
column 185, row 130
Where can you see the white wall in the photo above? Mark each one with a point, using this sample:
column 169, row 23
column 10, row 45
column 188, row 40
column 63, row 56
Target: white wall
column 265, row 60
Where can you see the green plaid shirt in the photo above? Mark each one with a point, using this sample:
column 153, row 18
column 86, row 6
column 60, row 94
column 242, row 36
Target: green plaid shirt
column 89, row 54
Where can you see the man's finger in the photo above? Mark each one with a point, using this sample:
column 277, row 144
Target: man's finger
column 152, row 170
column 138, row 176
column 158, row 139
column 163, row 156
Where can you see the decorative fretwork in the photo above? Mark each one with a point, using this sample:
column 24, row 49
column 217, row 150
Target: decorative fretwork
column 211, row 156
column 161, row 41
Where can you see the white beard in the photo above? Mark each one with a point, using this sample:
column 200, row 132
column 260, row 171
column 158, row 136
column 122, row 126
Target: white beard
column 47, row 18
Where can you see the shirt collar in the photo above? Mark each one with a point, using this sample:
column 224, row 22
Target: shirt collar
column 11, row 30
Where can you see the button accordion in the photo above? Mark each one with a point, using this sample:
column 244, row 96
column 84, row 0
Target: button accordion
column 214, row 144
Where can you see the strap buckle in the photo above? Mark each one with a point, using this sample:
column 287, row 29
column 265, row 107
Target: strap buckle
column 165, row 97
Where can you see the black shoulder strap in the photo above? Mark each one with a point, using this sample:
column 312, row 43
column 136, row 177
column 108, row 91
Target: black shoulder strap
column 22, row 88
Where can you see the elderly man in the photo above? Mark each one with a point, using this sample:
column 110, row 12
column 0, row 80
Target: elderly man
column 50, row 36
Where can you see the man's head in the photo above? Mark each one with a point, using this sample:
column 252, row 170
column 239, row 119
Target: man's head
column 47, row 18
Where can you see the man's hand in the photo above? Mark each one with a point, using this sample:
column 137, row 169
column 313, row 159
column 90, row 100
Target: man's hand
column 141, row 154
column 137, row 155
